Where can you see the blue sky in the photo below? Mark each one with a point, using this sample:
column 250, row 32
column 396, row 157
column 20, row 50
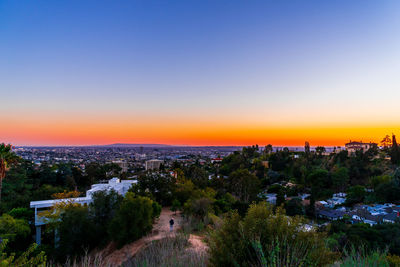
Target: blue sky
column 255, row 62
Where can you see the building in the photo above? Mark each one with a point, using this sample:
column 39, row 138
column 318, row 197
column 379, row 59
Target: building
column 353, row 146
column 332, row 215
column 120, row 186
column 392, row 217
column 153, row 164
column 122, row 164
column 216, row 160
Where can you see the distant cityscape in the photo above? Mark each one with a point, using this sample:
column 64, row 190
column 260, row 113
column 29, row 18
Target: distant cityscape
column 131, row 157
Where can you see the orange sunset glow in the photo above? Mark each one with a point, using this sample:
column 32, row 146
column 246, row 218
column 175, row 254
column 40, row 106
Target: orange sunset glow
column 203, row 79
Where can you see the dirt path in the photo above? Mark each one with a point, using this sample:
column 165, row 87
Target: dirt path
column 160, row 230
column 197, row 244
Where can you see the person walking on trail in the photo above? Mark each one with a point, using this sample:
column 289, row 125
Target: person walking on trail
column 171, row 224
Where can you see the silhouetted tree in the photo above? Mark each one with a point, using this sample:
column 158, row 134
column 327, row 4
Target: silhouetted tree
column 394, row 152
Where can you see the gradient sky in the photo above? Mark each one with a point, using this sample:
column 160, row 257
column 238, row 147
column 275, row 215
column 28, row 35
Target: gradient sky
column 199, row 72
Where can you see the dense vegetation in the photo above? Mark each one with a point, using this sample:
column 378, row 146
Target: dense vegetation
column 221, row 200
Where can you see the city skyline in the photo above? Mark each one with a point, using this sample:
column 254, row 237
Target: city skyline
column 199, row 73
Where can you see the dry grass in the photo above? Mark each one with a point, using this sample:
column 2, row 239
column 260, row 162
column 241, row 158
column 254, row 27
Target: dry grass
column 169, row 252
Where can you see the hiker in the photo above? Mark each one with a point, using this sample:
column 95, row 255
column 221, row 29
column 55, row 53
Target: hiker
column 171, row 224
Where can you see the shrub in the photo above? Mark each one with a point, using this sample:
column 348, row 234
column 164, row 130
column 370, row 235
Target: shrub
column 77, row 232
column 133, row 219
column 364, row 258
column 264, row 236
column 27, row 258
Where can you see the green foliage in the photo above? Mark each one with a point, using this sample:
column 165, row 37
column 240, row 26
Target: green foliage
column 22, row 213
column 176, row 205
column 77, row 232
column 102, row 210
column 280, row 239
column 376, row 181
column 244, row 185
column 13, row 229
column 388, row 192
column 294, row 207
column 199, row 207
column 381, row 237
column 340, row 178
column 224, row 204
column 320, row 180
column 160, row 186
column 355, row 194
column 393, row 260
column 30, row 257
column 133, row 219
column 275, row 188
column 360, row 257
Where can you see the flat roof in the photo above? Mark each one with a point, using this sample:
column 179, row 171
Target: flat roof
column 51, row 202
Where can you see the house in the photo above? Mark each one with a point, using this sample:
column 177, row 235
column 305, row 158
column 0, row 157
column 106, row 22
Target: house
column 392, row 217
column 120, row 186
column 270, row 198
column 216, row 160
column 332, row 215
column 353, row 146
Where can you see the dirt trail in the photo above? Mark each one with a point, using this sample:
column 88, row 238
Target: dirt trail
column 160, row 231
column 197, row 244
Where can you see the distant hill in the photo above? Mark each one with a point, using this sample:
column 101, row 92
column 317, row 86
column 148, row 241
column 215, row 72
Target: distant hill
column 135, row 145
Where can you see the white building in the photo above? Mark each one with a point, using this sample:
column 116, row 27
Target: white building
column 120, row 186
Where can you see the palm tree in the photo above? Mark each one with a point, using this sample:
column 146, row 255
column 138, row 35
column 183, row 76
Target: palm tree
column 6, row 158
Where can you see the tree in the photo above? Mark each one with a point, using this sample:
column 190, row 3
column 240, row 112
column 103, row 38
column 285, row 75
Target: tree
column 268, row 149
column 27, row 258
column 77, row 232
column 294, row 207
column 267, row 238
column 133, row 219
column 102, row 210
column 395, row 152
column 280, row 197
column 160, row 185
column 340, row 178
column 320, row 182
column 320, row 150
column 198, row 175
column 243, row 185
column 13, row 229
column 199, row 207
column 388, row 191
column 386, row 141
column 355, row 194
column 176, row 205
column 6, row 158
column 307, row 148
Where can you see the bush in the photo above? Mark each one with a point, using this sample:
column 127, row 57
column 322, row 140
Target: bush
column 267, row 237
column 77, row 232
column 363, row 258
column 30, row 257
column 102, row 210
column 133, row 219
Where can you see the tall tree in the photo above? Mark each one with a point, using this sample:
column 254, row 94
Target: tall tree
column 386, row 141
column 6, row 158
column 244, row 185
column 268, row 149
column 307, row 148
column 395, row 153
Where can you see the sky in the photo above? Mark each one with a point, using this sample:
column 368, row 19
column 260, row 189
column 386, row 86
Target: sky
column 199, row 72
